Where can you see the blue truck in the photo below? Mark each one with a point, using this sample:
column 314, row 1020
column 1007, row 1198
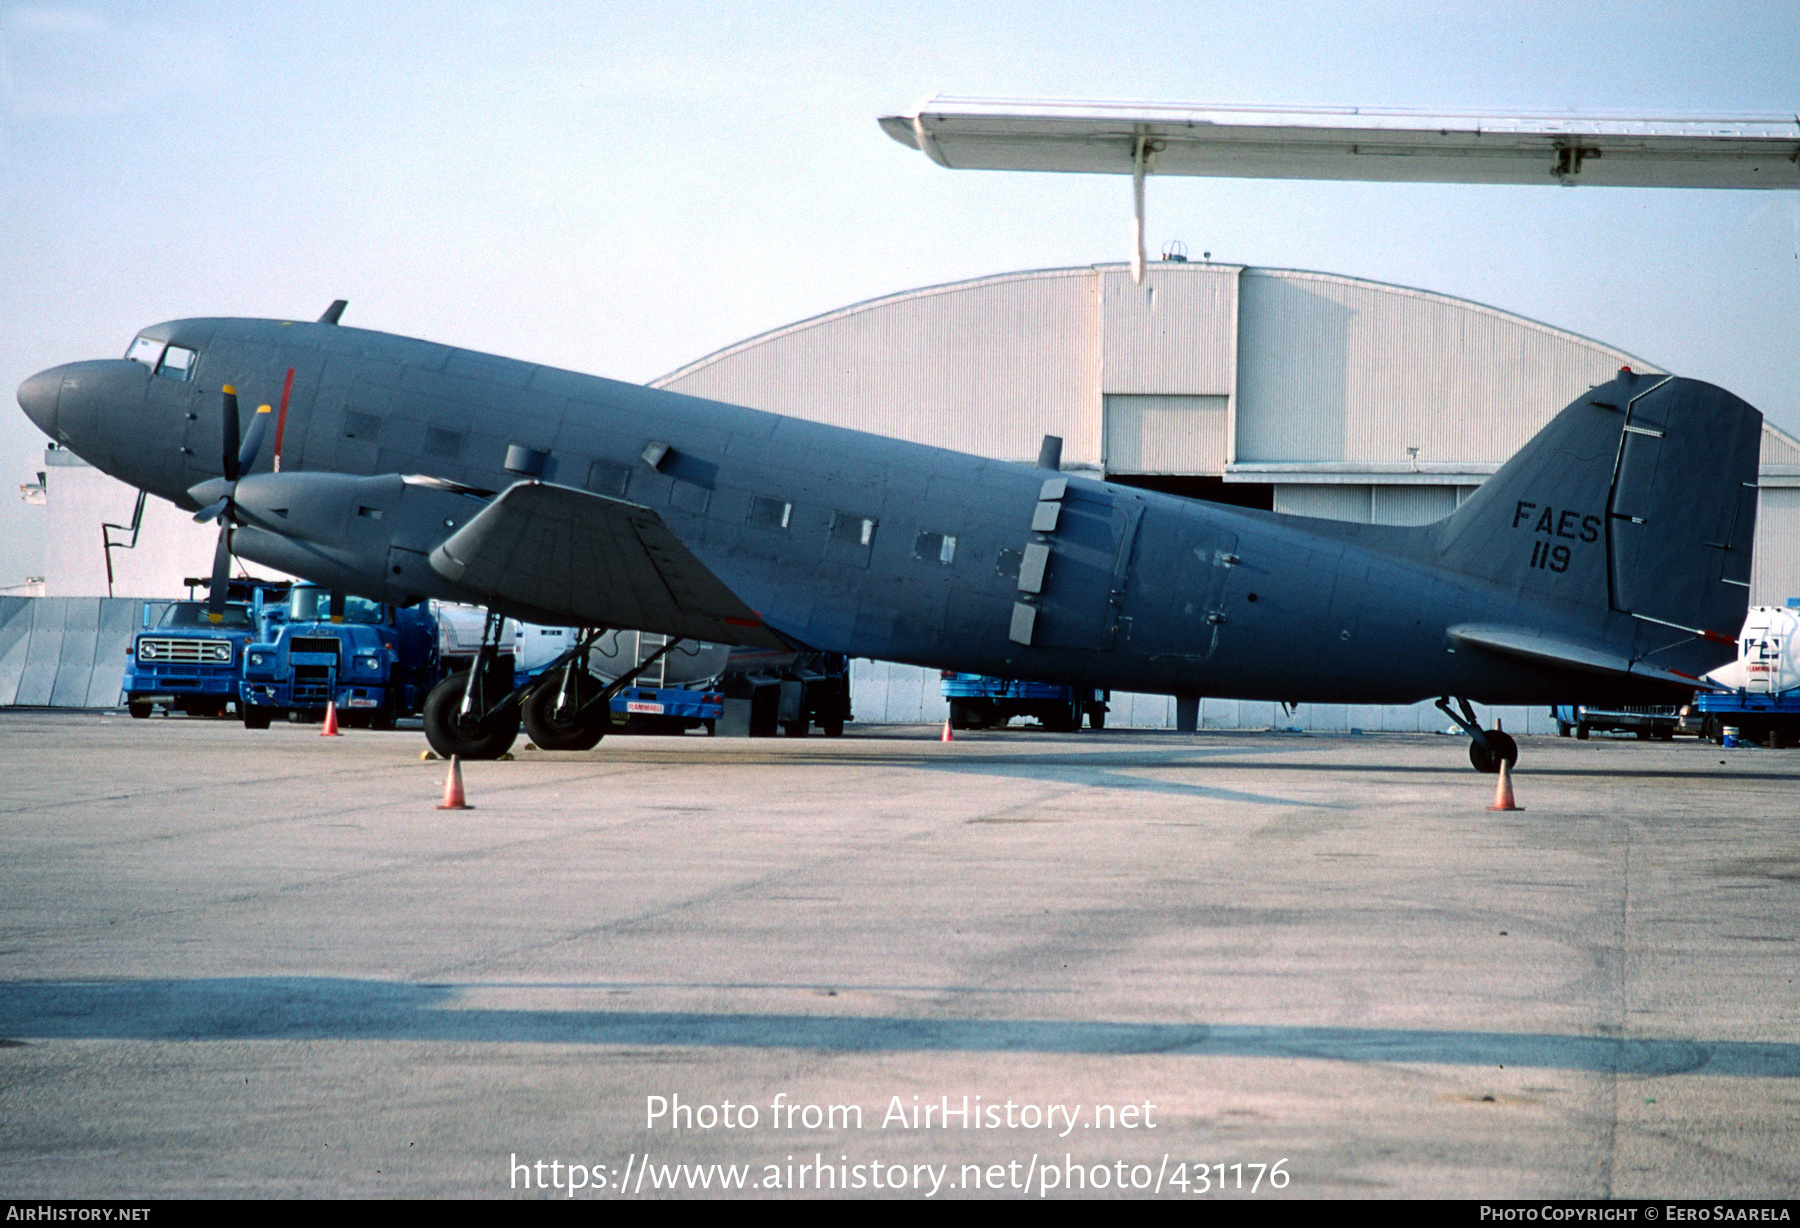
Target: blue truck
column 377, row 662
column 979, row 702
column 182, row 661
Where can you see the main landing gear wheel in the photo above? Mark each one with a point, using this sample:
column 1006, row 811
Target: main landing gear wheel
column 1485, row 760
column 570, row 730
column 468, row 737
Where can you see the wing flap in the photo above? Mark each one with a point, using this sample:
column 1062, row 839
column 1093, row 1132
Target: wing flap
column 597, row 562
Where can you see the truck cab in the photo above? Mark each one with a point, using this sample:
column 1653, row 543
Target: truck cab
column 184, row 661
column 376, row 662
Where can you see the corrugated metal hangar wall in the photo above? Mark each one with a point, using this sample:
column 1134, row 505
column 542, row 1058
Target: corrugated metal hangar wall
column 1302, row 392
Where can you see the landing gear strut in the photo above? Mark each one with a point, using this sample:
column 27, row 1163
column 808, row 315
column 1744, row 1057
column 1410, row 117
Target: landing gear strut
column 462, row 716
column 476, row 713
column 1487, row 748
column 559, row 711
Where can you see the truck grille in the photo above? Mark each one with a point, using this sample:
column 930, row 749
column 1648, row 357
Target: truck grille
column 191, row 651
column 314, row 643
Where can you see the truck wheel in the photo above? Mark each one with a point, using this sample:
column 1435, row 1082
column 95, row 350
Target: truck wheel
column 795, row 729
column 139, row 709
column 552, row 732
column 450, row 733
column 1643, row 735
column 1581, row 733
column 1485, row 762
column 256, row 718
column 1563, row 729
column 1096, row 715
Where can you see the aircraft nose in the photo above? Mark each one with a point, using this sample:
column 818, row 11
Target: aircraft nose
column 38, row 397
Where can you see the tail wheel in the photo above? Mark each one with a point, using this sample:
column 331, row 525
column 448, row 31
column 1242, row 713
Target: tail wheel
column 571, row 730
column 1485, row 761
column 468, row 737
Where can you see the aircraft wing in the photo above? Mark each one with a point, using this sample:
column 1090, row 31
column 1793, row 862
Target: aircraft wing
column 1568, row 654
column 596, row 562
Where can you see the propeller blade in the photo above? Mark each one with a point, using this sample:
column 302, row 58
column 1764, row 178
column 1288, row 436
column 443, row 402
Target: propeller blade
column 230, row 423
column 259, row 426
column 211, row 511
column 221, row 576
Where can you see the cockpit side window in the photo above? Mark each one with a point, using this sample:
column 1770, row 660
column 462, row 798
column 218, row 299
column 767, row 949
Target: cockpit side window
column 177, row 363
column 146, row 350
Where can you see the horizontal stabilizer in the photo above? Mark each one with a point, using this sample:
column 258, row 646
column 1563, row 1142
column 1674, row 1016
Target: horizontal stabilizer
column 597, row 562
column 1567, row 654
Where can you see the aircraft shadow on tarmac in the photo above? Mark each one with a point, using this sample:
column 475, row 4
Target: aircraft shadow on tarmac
column 323, row 1008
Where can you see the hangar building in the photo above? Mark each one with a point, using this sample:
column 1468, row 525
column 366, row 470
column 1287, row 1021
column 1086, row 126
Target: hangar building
column 1301, row 392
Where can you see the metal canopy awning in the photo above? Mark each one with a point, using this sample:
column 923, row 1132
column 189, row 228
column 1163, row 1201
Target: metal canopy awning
column 1383, row 146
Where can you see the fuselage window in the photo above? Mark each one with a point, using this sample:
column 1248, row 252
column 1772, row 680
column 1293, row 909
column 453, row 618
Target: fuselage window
column 857, row 530
column 770, row 513
column 935, row 547
column 441, row 443
column 177, row 363
column 606, row 478
column 147, row 351
column 358, row 425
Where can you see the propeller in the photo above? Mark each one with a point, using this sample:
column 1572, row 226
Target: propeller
column 239, row 455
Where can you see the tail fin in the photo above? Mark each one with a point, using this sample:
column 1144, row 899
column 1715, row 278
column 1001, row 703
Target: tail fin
column 1639, row 498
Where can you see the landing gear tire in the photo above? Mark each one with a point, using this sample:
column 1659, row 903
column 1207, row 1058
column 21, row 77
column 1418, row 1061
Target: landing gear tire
column 551, row 732
column 450, row 733
column 1489, row 763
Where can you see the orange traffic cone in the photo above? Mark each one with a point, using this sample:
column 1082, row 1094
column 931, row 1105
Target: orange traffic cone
column 453, row 790
column 947, row 736
column 331, row 729
column 1503, row 793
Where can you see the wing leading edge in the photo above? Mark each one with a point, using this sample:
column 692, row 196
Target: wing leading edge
column 595, row 561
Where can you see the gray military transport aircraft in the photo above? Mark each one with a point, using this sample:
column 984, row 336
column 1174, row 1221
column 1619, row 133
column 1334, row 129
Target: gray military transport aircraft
column 1608, row 561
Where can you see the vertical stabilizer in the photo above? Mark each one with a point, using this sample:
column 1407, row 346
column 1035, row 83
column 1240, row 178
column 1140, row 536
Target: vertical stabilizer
column 1639, row 499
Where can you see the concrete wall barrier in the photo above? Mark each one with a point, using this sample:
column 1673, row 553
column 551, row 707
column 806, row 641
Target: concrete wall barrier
column 64, row 652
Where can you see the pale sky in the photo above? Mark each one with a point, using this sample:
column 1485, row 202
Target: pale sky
column 621, row 192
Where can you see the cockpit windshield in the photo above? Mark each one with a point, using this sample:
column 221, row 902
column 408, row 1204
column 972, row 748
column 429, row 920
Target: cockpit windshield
column 313, row 605
column 193, row 614
column 169, row 361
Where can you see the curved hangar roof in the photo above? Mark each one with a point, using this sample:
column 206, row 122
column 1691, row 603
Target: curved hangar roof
column 1328, row 395
column 1210, row 369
